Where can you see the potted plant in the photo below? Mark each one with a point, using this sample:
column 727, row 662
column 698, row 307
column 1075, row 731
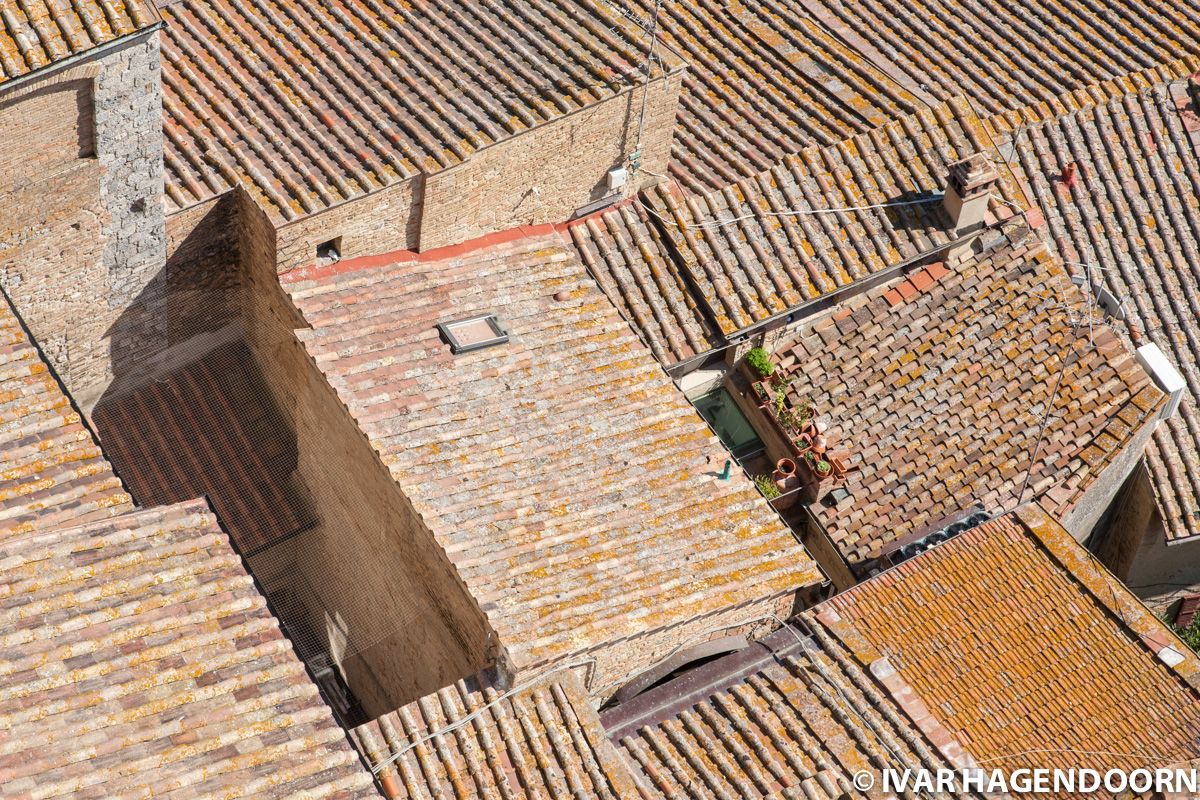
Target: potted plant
column 759, row 362
column 786, row 482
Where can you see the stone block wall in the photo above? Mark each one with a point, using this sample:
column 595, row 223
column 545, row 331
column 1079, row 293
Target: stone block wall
column 368, row 581
column 606, row 669
column 82, row 240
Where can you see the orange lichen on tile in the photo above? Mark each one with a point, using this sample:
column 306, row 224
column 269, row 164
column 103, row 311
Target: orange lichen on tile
column 690, row 271
column 1025, row 648
column 1131, row 220
column 51, row 470
column 939, row 395
column 37, row 33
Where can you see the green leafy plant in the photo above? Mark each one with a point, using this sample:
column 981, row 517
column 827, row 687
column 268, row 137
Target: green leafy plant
column 1190, row 634
column 766, row 485
column 759, row 360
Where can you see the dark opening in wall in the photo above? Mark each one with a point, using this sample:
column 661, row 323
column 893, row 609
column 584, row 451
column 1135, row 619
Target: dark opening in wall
column 329, row 252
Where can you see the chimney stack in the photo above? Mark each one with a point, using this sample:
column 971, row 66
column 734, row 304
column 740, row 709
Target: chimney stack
column 968, row 188
column 970, row 184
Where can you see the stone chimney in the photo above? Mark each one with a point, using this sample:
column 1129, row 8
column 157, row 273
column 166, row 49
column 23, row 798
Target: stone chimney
column 971, row 182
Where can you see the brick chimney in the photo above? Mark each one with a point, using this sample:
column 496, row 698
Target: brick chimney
column 970, row 183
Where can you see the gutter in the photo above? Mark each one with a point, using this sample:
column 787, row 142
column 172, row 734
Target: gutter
column 85, row 55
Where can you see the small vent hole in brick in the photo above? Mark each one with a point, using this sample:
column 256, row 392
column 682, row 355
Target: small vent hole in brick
column 329, row 252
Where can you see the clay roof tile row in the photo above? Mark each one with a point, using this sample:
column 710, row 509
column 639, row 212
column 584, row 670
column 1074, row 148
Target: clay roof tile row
column 139, row 660
column 52, row 472
column 308, row 104
column 38, row 33
column 940, row 396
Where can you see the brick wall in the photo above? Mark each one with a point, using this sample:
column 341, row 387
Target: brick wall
column 371, row 581
column 82, row 243
column 202, row 268
column 381, row 222
column 45, row 132
column 565, row 161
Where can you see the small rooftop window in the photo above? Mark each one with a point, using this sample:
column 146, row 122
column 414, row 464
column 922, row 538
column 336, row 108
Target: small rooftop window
column 473, row 333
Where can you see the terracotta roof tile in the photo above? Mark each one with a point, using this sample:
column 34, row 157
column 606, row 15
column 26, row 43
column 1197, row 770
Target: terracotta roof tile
column 248, row 455
column 37, row 33
column 1004, row 55
column 1134, row 216
column 562, row 472
column 793, row 716
column 543, row 741
column 308, row 104
column 764, row 79
column 939, row 398
column 51, row 470
column 689, row 271
column 139, row 660
column 1020, row 644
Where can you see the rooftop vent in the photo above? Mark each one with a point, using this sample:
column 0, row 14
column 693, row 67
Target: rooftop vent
column 968, row 188
column 473, row 333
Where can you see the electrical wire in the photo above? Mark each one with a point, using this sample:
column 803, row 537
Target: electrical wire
column 797, row 212
column 647, row 69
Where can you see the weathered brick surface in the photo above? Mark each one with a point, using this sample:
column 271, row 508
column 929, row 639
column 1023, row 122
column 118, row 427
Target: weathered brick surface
column 82, row 244
column 545, row 174
column 381, row 222
column 45, row 133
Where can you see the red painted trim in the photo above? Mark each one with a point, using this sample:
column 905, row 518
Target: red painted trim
column 310, row 272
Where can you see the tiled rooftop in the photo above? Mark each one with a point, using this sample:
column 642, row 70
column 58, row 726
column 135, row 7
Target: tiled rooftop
column 763, row 263
column 1133, row 214
column 764, row 80
column 1006, row 55
column 51, row 470
column 139, row 660
column 543, row 741
column 210, row 428
column 1022, row 646
column 792, row 716
column 308, row 104
column 563, row 473
column 37, row 33
column 938, row 387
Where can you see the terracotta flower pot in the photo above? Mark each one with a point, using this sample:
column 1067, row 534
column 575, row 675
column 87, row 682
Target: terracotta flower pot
column 786, row 467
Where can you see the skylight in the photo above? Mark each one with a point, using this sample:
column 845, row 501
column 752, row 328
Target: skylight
column 473, row 333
